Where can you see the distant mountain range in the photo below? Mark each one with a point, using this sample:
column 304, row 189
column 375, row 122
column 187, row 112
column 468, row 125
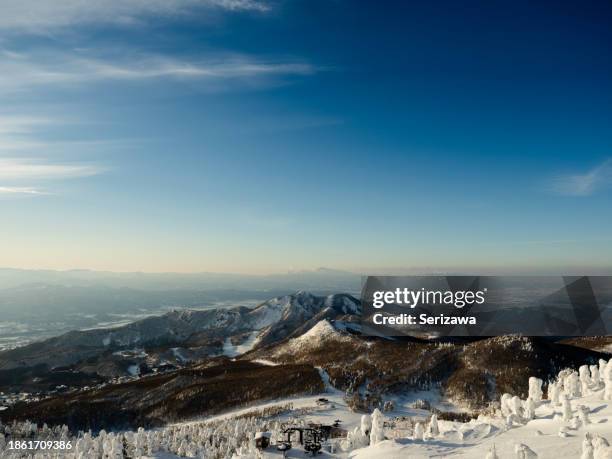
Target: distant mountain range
column 322, row 279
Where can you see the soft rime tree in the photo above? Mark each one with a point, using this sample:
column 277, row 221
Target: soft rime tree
column 602, row 367
column 355, row 439
column 366, row 425
column 419, row 431
column 139, row 442
column 607, row 378
column 359, row 439
column 348, row 444
column 506, row 405
column 567, row 408
column 530, row 407
column 553, row 393
column 573, row 385
column 433, row 429
column 583, row 413
column 563, row 382
column 601, row 447
column 587, row 447
column 535, row 390
column 585, row 379
column 517, row 406
column 595, row 377
column 377, row 434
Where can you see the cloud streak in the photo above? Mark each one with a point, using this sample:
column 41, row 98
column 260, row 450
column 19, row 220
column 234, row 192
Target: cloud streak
column 30, row 176
column 20, row 72
column 17, row 175
column 19, row 169
column 14, row 191
column 584, row 184
column 21, row 124
column 20, row 177
column 36, row 16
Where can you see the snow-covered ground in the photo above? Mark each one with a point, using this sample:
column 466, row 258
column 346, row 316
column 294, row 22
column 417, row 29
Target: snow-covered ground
column 548, row 435
column 575, row 421
column 473, row 440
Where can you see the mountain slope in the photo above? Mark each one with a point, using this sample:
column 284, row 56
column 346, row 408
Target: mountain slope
column 199, row 333
column 472, row 374
column 179, row 395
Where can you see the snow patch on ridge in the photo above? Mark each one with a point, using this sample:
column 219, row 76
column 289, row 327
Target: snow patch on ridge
column 322, row 331
column 232, row 350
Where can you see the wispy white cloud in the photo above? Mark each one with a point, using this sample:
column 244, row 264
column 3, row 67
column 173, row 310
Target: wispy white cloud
column 21, row 124
column 20, row 169
column 20, row 72
column 20, row 176
column 35, row 16
column 26, row 177
column 14, row 191
column 16, row 133
column 584, row 184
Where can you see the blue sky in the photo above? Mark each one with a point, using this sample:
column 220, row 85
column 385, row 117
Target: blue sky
column 260, row 136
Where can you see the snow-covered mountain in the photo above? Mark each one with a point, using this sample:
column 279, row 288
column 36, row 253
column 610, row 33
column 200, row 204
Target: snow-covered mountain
column 199, row 333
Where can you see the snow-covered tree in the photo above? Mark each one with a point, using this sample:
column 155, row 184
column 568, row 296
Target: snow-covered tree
column 529, row 409
column 377, row 434
column 587, row 447
column 535, row 390
column 607, row 379
column 553, row 393
column 602, row 366
column 505, row 404
column 583, row 413
column 517, row 406
column 433, row 430
column 585, row 379
column 572, row 385
column 419, row 432
column 595, row 377
column 366, row 425
column 567, row 408
column 601, row 447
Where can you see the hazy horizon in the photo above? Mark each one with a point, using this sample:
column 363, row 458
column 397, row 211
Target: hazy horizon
column 391, row 271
